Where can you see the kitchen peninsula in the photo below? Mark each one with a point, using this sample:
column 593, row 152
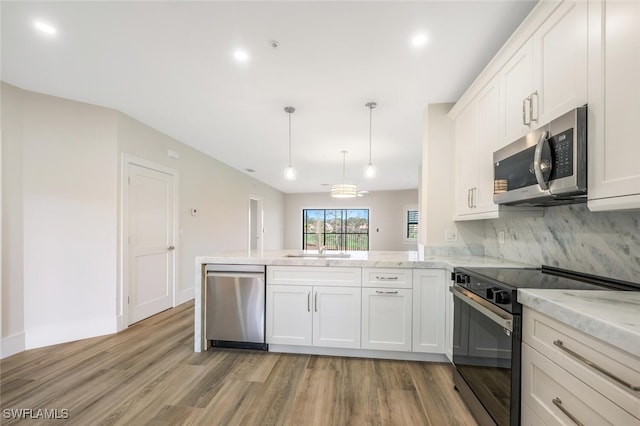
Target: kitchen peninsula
column 434, row 291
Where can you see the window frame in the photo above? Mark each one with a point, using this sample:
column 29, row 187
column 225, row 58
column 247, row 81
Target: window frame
column 341, row 238
column 407, row 223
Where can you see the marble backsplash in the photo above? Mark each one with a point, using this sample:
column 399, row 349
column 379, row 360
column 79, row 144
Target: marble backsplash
column 571, row 237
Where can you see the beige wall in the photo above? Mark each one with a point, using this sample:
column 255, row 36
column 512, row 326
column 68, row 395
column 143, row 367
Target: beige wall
column 218, row 192
column 386, row 216
column 61, row 171
column 12, row 238
column 436, row 185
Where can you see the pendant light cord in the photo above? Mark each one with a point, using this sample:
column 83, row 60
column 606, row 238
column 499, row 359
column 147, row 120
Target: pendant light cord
column 289, row 139
column 370, row 130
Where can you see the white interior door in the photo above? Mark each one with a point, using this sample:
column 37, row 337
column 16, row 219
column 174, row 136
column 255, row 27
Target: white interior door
column 256, row 224
column 151, row 250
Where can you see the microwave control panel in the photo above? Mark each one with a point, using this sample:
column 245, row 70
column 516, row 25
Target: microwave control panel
column 562, row 154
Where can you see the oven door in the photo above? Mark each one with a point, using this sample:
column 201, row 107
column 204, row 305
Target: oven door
column 486, row 356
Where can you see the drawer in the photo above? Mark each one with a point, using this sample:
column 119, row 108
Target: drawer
column 314, row 275
column 555, row 395
column 574, row 351
column 387, row 277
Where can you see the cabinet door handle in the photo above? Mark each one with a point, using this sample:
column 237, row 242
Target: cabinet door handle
column 469, row 198
column 386, row 278
column 595, row 366
column 387, row 292
column 315, row 302
column 474, row 193
column 524, row 112
column 308, row 301
column 558, row 403
column 531, row 118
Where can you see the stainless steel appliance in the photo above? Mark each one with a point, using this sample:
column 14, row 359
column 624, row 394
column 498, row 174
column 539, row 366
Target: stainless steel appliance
column 546, row 167
column 487, row 333
column 235, row 306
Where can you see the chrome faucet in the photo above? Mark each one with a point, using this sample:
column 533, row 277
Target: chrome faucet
column 321, row 249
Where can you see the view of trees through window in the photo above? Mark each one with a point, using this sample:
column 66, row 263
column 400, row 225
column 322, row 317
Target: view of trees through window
column 335, row 229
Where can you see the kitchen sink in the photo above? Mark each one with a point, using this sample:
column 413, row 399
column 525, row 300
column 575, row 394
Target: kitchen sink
column 320, row 255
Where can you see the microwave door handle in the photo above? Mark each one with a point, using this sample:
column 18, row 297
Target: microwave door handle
column 537, row 162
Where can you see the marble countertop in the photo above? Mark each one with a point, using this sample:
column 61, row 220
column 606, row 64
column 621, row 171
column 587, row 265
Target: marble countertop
column 377, row 259
column 611, row 316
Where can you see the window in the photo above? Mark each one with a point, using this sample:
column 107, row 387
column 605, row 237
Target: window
column 335, row 229
column 411, row 220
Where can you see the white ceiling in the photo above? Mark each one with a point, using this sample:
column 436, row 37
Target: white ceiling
column 171, row 66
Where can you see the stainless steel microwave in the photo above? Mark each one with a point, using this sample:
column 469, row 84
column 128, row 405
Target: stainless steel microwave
column 546, row 167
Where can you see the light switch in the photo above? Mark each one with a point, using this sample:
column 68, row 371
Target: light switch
column 451, row 235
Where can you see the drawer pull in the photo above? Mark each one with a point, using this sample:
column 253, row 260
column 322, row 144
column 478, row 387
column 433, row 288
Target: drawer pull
column 558, row 403
column 309, row 301
column 387, row 278
column 595, row 366
column 386, row 292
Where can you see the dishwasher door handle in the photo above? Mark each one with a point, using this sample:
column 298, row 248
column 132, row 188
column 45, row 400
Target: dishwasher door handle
column 236, row 274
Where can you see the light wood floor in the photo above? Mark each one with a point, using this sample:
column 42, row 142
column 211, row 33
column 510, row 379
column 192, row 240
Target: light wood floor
column 149, row 374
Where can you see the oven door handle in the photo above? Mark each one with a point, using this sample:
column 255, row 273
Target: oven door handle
column 485, row 308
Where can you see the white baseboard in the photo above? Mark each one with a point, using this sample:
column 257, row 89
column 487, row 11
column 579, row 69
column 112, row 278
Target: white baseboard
column 52, row 334
column 358, row 353
column 183, row 296
column 12, row 345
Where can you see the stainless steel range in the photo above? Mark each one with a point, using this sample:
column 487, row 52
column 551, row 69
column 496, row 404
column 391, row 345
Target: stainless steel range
column 487, row 333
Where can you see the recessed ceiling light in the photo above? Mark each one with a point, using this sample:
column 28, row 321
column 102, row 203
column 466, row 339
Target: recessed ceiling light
column 419, row 40
column 241, row 55
column 44, row 27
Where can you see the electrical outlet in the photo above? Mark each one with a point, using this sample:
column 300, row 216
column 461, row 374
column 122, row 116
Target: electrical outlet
column 501, row 237
column 451, row 235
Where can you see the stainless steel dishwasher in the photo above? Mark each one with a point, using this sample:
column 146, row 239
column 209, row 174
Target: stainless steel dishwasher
column 235, row 306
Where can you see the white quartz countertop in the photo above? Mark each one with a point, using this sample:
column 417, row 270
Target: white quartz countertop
column 373, row 259
column 611, row 316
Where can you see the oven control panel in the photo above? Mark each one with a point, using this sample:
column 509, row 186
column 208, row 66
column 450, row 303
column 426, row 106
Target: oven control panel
column 489, row 291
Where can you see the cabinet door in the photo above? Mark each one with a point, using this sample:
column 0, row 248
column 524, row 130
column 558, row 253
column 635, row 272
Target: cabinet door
column 487, row 142
column 429, row 287
column 517, row 84
column 560, row 62
column 386, row 319
column 466, row 131
column 448, row 333
column 336, row 317
column 614, row 67
column 289, row 315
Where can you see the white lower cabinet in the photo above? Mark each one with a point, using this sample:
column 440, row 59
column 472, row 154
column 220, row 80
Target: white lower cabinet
column 561, row 384
column 289, row 317
column 313, row 315
column 382, row 309
column 429, row 286
column 336, row 317
column 386, row 319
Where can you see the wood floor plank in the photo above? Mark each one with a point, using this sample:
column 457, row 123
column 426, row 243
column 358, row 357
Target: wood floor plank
column 149, row 374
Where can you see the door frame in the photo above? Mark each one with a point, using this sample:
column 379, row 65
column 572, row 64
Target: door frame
column 259, row 224
column 122, row 293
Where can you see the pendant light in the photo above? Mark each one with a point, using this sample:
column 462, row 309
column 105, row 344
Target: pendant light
column 370, row 170
column 344, row 190
column 289, row 172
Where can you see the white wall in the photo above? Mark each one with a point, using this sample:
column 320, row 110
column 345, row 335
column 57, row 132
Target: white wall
column 70, row 195
column 12, row 235
column 436, row 187
column 386, row 216
column 61, row 163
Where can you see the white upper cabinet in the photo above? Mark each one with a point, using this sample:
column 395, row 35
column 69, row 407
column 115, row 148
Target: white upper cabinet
column 517, row 86
column 560, row 62
column 614, row 105
column 476, row 137
column 547, row 76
